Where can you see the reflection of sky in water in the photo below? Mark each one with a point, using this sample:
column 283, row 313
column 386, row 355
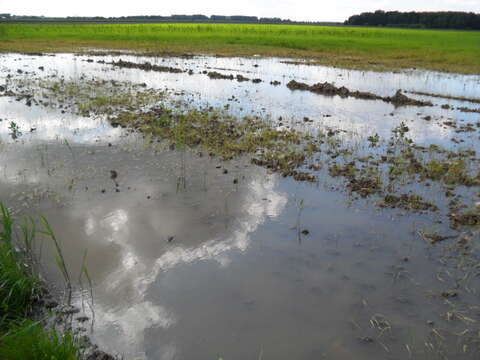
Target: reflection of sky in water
column 122, row 310
column 51, row 125
column 128, row 317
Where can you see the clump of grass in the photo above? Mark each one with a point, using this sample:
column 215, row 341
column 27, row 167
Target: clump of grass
column 19, row 286
column 411, row 202
column 365, row 181
column 470, row 217
column 20, row 289
column 450, row 172
column 15, row 132
column 92, row 96
column 435, row 170
column 300, row 208
column 282, row 151
column 28, row 340
column 58, row 257
column 373, row 140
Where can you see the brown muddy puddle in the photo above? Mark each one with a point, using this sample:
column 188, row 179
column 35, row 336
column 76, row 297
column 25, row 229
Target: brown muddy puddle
column 214, row 268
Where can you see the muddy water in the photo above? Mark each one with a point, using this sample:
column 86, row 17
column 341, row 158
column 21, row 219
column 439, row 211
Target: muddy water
column 214, row 267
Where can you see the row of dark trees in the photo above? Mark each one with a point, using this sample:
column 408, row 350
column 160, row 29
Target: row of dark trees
column 154, row 18
column 434, row 20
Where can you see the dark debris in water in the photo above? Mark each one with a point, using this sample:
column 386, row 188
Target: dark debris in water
column 466, row 218
column 240, row 78
column 468, row 110
column 145, row 66
column 407, row 202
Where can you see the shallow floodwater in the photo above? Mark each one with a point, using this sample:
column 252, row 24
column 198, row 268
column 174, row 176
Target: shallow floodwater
column 363, row 117
column 215, row 268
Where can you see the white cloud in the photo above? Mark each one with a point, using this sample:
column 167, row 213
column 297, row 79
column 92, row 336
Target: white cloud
column 298, row 10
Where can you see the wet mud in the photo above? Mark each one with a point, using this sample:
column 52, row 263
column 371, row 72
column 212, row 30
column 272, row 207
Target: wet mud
column 399, row 99
column 145, row 66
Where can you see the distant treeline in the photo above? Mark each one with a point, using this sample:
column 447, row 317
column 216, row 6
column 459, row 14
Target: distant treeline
column 434, row 20
column 158, row 18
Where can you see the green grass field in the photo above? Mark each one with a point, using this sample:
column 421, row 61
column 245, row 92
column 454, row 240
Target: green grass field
column 352, row 47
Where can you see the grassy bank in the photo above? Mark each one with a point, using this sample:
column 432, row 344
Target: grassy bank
column 22, row 335
column 363, row 48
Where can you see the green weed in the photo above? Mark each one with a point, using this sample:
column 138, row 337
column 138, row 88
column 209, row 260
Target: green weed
column 30, row 341
column 20, row 289
column 19, row 286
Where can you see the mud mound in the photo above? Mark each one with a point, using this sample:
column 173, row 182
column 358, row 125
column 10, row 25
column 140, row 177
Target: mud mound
column 145, row 66
column 468, row 110
column 217, row 75
column 399, row 99
column 328, row 89
column 239, row 78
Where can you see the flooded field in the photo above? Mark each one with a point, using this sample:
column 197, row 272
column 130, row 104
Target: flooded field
column 229, row 208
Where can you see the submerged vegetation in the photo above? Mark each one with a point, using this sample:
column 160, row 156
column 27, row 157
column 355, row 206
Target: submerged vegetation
column 384, row 168
column 364, row 48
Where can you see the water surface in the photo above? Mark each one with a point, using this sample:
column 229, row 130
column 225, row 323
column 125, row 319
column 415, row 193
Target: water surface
column 216, row 269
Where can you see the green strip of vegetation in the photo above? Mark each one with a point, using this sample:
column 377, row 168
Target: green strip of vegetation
column 21, row 336
column 19, row 286
column 363, row 48
column 29, row 340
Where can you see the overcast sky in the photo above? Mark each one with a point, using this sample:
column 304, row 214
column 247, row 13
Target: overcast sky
column 321, row 10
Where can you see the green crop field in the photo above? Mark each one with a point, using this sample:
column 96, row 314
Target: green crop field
column 352, row 47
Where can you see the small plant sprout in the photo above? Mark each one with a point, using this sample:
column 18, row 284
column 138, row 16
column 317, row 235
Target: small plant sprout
column 15, row 132
column 374, row 140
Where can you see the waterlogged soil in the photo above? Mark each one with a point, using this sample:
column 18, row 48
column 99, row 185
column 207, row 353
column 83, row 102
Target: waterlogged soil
column 223, row 214
column 329, row 89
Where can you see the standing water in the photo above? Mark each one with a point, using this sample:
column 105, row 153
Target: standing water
column 194, row 257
